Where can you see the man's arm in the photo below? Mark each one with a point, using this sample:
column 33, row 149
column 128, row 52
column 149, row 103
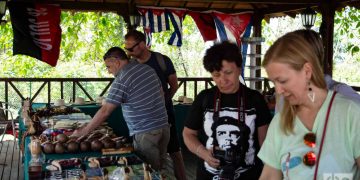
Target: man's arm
column 173, row 82
column 102, row 114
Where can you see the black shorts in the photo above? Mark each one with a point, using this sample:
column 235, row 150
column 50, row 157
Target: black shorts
column 174, row 145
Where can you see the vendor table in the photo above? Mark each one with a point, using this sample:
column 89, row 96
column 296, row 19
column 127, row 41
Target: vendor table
column 181, row 111
column 115, row 121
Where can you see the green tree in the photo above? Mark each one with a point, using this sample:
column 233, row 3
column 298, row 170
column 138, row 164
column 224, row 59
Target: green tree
column 87, row 35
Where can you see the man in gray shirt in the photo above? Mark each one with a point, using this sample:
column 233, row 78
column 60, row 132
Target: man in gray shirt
column 138, row 90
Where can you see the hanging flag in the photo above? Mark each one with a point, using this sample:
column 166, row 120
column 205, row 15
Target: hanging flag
column 245, row 45
column 154, row 18
column 148, row 36
column 37, row 31
column 205, row 23
column 176, row 16
column 230, row 27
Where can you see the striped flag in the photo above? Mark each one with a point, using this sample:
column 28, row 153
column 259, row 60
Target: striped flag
column 245, row 45
column 231, row 27
column 154, row 18
column 176, row 16
column 148, row 36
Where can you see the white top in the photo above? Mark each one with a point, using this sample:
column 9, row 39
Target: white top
column 340, row 149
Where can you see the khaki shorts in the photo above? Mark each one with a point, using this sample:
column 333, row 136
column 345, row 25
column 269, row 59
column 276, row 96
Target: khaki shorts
column 152, row 146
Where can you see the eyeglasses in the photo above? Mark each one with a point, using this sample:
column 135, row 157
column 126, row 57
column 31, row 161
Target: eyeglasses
column 132, row 48
column 309, row 158
column 111, row 60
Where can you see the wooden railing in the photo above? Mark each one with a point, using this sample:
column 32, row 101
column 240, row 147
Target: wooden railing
column 195, row 84
column 11, row 84
column 185, row 83
column 15, row 90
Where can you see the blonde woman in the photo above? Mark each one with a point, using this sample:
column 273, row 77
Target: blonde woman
column 315, row 134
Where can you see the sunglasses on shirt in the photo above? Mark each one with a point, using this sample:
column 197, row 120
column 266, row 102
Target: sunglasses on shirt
column 132, row 48
column 309, row 158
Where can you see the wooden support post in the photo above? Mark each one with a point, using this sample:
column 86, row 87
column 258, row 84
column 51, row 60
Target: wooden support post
column 258, row 17
column 327, row 9
column 49, row 92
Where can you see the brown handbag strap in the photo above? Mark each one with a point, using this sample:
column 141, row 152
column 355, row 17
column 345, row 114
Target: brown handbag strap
column 324, row 134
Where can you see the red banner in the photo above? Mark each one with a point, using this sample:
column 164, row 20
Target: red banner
column 37, row 31
column 205, row 24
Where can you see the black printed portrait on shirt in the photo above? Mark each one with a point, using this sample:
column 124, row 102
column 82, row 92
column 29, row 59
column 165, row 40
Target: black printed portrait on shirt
column 231, row 138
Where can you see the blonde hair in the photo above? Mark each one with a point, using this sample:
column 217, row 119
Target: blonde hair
column 295, row 49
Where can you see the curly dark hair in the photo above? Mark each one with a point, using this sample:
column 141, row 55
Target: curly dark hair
column 227, row 51
column 116, row 52
column 137, row 35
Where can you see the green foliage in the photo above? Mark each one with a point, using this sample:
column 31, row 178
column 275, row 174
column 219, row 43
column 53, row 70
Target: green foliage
column 346, row 41
column 187, row 59
column 347, row 31
column 87, row 35
column 85, row 38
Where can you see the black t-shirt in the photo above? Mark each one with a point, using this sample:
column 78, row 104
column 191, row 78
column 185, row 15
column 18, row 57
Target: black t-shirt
column 163, row 76
column 228, row 134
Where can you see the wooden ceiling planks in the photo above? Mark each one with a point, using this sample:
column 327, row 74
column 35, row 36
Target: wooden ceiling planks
column 270, row 8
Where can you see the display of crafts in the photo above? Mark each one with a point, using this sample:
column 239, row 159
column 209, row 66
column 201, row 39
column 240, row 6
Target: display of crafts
column 39, row 118
column 106, row 167
column 57, row 141
column 56, row 154
column 49, row 110
column 183, row 100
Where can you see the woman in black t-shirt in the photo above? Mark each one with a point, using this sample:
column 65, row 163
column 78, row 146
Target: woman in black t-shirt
column 227, row 124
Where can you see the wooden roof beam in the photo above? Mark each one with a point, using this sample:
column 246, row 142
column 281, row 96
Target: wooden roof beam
column 256, row 1
column 123, row 8
column 291, row 14
column 284, row 8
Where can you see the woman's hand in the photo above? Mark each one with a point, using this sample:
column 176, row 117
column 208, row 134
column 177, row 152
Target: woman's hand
column 207, row 156
column 194, row 145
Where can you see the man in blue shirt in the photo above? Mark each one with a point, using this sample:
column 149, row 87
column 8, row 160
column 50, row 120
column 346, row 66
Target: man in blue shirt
column 135, row 46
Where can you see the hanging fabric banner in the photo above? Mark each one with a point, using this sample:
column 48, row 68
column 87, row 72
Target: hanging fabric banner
column 245, row 45
column 205, row 23
column 37, row 31
column 154, row 18
column 230, row 27
column 148, row 36
column 212, row 25
column 176, row 16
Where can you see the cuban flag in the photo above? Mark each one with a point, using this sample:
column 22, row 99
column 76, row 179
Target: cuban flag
column 245, row 46
column 177, row 17
column 205, row 23
column 154, row 18
column 231, row 27
column 148, row 36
